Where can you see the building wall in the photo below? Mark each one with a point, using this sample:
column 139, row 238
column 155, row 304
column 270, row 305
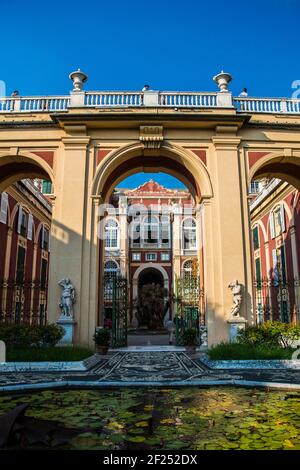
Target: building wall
column 276, row 254
column 161, row 200
column 23, row 296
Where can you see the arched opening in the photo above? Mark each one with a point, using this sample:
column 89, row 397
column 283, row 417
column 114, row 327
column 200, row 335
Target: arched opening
column 151, row 299
column 25, row 221
column 157, row 225
column 150, row 276
column 274, row 182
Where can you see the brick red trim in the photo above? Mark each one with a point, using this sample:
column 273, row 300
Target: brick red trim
column 47, row 156
column 253, row 157
column 200, row 154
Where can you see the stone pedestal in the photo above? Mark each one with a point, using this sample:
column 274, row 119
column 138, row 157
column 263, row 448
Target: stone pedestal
column 235, row 325
column 68, row 324
column 151, row 98
column 2, row 351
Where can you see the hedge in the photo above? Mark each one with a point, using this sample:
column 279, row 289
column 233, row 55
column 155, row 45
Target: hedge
column 26, row 336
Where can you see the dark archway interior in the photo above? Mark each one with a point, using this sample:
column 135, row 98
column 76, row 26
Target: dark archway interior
column 15, row 171
column 150, row 276
column 286, row 171
column 151, row 163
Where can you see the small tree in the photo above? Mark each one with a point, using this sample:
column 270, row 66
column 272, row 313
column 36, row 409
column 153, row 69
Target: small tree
column 150, row 305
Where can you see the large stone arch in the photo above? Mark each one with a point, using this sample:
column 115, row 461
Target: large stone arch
column 14, row 167
column 277, row 165
column 172, row 159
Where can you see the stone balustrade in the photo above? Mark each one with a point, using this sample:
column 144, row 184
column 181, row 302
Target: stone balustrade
column 139, row 99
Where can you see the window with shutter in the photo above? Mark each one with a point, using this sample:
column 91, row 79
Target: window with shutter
column 30, row 227
column 3, row 208
column 20, row 265
column 257, row 272
column 282, row 218
column 19, row 219
column 272, row 225
column 255, row 238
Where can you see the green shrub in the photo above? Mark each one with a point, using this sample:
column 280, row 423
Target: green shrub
column 102, row 337
column 26, row 336
column 238, row 351
column 58, row 353
column 274, row 334
column 190, row 337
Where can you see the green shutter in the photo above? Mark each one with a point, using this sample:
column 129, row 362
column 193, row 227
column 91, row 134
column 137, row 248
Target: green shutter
column 46, row 187
column 257, row 271
column 255, row 238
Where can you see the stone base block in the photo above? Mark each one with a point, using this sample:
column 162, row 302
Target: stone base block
column 235, row 325
column 68, row 325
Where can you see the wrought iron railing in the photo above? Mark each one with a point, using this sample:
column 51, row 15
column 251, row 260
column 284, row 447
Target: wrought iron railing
column 23, row 302
column 277, row 299
column 189, row 308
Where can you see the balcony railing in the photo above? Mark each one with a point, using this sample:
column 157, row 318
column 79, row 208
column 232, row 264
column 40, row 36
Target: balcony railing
column 138, row 99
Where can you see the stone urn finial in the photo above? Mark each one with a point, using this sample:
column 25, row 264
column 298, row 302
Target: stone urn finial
column 223, row 79
column 79, row 78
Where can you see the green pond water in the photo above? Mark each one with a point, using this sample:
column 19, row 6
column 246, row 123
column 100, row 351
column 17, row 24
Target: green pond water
column 185, row 418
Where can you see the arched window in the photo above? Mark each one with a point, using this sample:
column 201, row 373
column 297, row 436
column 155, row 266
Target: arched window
column 111, row 270
column 151, row 229
column 189, row 235
column 277, row 221
column 111, row 234
column 187, row 268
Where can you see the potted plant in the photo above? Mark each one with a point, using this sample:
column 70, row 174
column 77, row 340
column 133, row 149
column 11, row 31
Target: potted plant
column 102, row 340
column 190, row 340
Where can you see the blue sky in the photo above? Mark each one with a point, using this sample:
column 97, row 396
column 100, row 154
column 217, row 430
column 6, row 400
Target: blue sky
column 170, row 45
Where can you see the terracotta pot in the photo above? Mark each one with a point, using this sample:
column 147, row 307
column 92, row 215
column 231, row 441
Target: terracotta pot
column 102, row 349
column 190, row 349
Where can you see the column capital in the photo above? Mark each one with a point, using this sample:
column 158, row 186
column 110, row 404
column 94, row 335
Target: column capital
column 97, row 199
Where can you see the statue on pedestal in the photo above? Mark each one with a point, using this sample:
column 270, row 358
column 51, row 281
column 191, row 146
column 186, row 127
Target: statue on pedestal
column 236, row 290
column 68, row 298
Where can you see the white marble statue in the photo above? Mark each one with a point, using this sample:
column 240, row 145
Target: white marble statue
column 236, row 290
column 68, row 298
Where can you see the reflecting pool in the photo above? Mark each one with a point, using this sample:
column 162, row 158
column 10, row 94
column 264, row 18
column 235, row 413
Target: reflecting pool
column 183, row 418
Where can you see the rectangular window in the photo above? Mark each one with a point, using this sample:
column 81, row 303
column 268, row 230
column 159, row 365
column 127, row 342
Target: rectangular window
column 44, row 273
column 45, row 238
column 151, row 256
column 165, row 256
column 46, row 187
column 20, row 265
column 136, row 256
column 3, row 208
column 255, row 233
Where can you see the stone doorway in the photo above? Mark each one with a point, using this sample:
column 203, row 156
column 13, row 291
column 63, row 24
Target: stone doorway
column 151, row 305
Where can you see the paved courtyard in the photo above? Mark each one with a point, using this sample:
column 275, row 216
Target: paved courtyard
column 148, row 368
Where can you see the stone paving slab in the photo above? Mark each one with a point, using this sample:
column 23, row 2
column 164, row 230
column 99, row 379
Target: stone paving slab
column 148, row 368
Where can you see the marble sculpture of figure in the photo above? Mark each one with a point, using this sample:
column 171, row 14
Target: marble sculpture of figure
column 68, row 297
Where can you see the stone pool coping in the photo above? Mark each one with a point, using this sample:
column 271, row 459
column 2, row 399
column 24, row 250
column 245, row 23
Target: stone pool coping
column 55, row 366
column 282, row 364
column 67, row 384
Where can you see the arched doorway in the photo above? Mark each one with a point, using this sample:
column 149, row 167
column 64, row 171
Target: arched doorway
column 151, row 299
column 118, row 165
